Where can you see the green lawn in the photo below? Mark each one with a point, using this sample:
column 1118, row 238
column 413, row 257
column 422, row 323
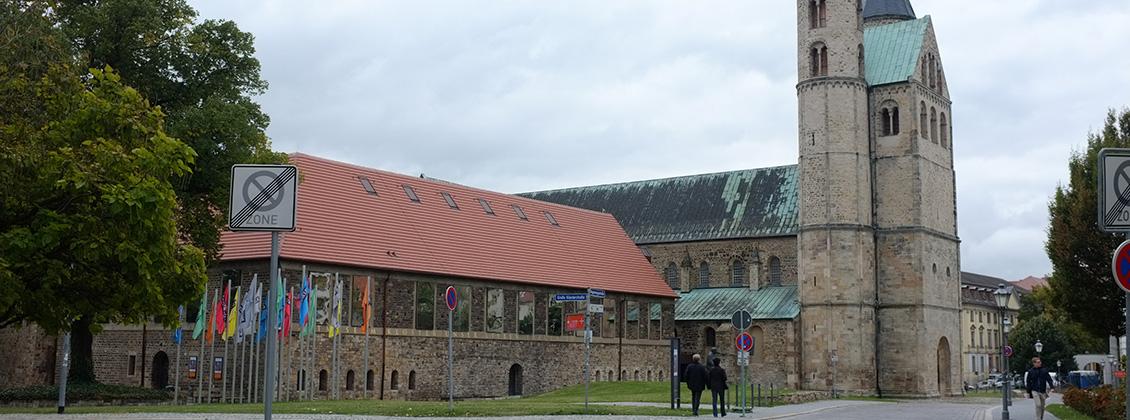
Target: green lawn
column 564, row 401
column 983, row 394
column 1066, row 413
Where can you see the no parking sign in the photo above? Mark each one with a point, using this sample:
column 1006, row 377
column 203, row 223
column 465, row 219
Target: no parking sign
column 1120, row 265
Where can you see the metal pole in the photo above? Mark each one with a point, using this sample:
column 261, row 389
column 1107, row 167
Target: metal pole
column 1127, row 348
column 200, row 359
column 450, row 362
column 176, row 378
column 63, row 372
column 272, row 336
column 1004, row 369
column 368, row 315
column 741, row 389
column 588, row 346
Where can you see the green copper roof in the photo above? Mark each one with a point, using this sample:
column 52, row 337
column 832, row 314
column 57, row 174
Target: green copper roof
column 891, row 51
column 726, row 205
column 779, row 302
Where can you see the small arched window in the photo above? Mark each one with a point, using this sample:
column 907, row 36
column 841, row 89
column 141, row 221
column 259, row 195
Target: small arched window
column 885, row 116
column 895, row 120
column 933, row 125
column 301, row 380
column 394, row 381
column 672, row 275
column 817, row 13
column 737, row 273
column 597, row 377
column 944, row 133
column 709, row 339
column 349, row 379
column 818, row 59
column 412, row 380
column 369, row 380
column 704, row 275
column 923, row 127
column 823, row 61
column 322, row 380
column 774, row 271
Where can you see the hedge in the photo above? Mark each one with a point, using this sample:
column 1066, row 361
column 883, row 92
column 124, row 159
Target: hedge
column 1104, row 402
column 84, row 392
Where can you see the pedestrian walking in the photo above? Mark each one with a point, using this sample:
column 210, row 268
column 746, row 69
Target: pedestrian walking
column 1038, row 383
column 717, row 381
column 697, row 377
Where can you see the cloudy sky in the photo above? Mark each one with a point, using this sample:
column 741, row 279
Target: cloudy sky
column 533, row 95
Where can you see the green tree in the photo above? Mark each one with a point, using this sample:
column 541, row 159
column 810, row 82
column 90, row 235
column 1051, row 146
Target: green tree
column 203, row 75
column 1081, row 284
column 1057, row 346
column 88, row 231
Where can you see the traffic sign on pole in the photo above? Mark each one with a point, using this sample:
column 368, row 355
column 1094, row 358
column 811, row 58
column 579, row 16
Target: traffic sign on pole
column 451, row 297
column 1120, row 265
column 1007, row 351
column 262, row 197
column 741, row 319
column 744, row 341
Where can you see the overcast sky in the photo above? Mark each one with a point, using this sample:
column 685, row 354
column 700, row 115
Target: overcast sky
column 534, row 95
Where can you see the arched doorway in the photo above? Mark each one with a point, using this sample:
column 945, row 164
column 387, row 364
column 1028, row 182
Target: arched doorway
column 515, row 387
column 160, row 376
column 944, row 367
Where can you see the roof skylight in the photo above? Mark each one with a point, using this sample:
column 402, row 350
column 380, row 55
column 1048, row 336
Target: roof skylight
column 450, row 201
column 486, row 206
column 518, row 210
column 552, row 220
column 411, row 193
column 367, row 185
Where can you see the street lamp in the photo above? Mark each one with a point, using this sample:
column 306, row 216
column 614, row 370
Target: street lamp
column 1003, row 295
column 1058, row 371
column 1039, row 347
column 1110, row 362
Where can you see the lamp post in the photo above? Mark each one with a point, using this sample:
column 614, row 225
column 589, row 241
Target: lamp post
column 1058, row 372
column 1002, row 295
column 1039, row 347
column 1110, row 362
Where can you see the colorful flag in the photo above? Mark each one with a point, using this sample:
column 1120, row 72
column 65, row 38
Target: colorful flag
column 286, row 313
column 179, row 332
column 233, row 316
column 262, row 319
column 365, row 309
column 280, row 303
column 312, row 315
column 304, row 301
column 245, row 313
column 335, row 310
column 213, row 328
column 201, row 316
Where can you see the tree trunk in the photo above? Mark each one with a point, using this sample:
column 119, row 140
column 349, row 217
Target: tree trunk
column 82, row 352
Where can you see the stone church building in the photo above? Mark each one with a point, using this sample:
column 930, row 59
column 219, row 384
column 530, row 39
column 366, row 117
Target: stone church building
column 849, row 260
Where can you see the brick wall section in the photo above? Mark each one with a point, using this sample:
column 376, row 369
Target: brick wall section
column 773, row 361
column 28, row 357
column 720, row 256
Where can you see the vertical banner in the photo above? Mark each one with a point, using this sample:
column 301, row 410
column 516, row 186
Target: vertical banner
column 193, row 366
column 218, row 369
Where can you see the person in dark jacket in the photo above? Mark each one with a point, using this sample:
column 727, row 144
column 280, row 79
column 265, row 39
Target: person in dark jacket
column 717, row 381
column 1038, row 382
column 697, row 377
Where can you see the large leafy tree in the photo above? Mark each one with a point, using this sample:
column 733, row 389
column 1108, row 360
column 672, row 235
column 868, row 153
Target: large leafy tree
column 88, row 232
column 203, row 75
column 1057, row 345
column 1081, row 284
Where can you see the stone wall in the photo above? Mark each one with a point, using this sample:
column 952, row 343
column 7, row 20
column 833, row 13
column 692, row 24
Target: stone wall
column 28, row 357
column 720, row 257
column 773, row 360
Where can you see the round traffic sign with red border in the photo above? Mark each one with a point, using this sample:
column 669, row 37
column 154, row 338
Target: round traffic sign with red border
column 744, row 341
column 451, row 298
column 1007, row 351
column 1120, row 265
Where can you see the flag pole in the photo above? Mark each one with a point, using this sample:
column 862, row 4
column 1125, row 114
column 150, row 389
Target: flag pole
column 212, row 346
column 365, row 322
column 180, row 339
column 200, row 358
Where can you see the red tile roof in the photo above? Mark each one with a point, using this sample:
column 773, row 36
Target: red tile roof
column 1030, row 283
column 338, row 222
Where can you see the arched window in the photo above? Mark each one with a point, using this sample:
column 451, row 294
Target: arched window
column 981, row 336
column 636, row 376
column 923, row 128
column 649, row 376
column 895, row 120
column 933, row 72
column 597, row 378
column 369, row 380
column 412, row 379
column 623, row 375
column 322, row 380
column 774, row 271
column 704, row 275
column 933, row 125
column 818, row 59
column 611, row 377
column 862, row 63
column 672, row 274
column 972, row 334
column 737, row 273
column 349, row 379
column 817, row 13
column 395, row 380
column 944, row 132
column 823, row 61
column 300, row 380
column 709, row 338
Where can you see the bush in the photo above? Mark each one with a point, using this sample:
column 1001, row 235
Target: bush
column 1105, row 402
column 84, row 392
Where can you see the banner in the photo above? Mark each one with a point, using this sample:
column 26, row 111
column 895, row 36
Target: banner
column 193, row 366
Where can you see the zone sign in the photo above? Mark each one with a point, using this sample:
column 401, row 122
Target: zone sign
column 263, row 197
column 1114, row 190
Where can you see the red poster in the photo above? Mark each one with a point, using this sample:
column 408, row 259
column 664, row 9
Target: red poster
column 574, row 322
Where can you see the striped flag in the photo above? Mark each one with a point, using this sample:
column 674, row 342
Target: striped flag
column 179, row 332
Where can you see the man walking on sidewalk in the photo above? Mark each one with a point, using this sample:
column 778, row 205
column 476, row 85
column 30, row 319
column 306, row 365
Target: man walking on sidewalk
column 1038, row 382
column 696, row 377
column 717, row 380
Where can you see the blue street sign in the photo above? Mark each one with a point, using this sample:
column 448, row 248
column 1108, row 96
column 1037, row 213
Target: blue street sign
column 597, row 293
column 570, row 297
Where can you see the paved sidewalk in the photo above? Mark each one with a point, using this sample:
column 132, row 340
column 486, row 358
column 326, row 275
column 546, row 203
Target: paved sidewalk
column 1024, row 408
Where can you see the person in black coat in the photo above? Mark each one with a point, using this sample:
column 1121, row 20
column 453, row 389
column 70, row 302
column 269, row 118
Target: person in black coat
column 717, row 381
column 1038, row 382
column 697, row 377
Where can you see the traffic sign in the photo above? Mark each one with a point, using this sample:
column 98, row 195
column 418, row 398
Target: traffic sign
column 1007, row 351
column 741, row 319
column 1120, row 265
column 596, row 308
column 1114, row 190
column 744, row 341
column 570, row 297
column 451, row 297
column 262, row 197
column 743, row 358
column 596, row 293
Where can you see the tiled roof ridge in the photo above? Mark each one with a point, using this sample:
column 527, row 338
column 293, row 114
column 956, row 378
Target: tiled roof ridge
column 670, row 178
column 438, row 182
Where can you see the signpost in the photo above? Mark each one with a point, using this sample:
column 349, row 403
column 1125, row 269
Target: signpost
column 742, row 320
column 1114, row 216
column 1007, row 351
column 452, row 300
column 264, row 198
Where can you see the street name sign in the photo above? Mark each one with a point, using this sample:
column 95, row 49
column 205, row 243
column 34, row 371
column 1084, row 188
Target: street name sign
column 1114, row 190
column 596, row 293
column 570, row 297
column 263, row 197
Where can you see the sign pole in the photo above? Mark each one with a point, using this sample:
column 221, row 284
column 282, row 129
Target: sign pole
column 1127, row 326
column 63, row 372
column 588, row 347
column 450, row 363
column 272, row 337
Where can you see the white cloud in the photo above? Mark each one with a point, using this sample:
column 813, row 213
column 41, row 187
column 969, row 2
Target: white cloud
column 519, row 96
